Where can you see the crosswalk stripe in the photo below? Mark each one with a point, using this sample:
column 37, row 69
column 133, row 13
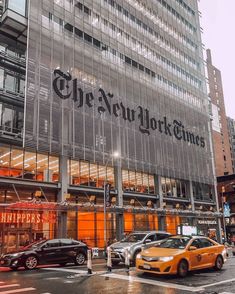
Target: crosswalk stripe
column 151, row 282
column 17, row 290
column 10, row 285
column 226, row 293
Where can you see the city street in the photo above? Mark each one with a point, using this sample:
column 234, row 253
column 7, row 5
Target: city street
column 73, row 279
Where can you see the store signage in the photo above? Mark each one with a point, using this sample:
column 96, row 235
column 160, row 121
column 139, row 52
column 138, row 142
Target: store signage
column 67, row 88
column 27, row 218
column 206, row 222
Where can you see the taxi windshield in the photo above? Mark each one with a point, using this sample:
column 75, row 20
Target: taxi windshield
column 134, row 238
column 174, row 243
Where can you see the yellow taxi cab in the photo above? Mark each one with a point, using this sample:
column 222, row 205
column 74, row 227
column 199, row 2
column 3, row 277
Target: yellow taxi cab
column 180, row 254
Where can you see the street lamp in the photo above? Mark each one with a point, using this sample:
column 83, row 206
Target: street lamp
column 107, row 190
column 222, row 192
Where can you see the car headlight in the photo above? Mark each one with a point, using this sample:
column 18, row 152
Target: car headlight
column 138, row 256
column 166, row 258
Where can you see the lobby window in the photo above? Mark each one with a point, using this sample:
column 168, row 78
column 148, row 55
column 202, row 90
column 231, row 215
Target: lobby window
column 28, row 165
column 202, row 191
column 173, row 187
column 84, row 173
column 139, row 182
column 90, row 174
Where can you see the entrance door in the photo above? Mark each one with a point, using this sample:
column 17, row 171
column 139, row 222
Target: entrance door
column 14, row 239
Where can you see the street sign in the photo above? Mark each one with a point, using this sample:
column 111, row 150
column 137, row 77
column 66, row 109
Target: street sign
column 226, row 209
column 107, row 195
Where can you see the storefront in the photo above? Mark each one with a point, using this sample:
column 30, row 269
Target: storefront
column 207, row 227
column 24, row 223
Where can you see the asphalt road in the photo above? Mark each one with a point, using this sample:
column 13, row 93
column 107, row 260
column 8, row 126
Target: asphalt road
column 74, row 279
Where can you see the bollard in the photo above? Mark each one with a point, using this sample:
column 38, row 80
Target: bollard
column 89, row 263
column 109, row 260
column 127, row 259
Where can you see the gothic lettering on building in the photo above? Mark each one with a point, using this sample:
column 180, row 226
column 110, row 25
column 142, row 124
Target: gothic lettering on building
column 67, row 88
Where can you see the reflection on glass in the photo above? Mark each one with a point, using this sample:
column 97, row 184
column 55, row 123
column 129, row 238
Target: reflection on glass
column 16, row 164
column 4, row 161
column 84, row 173
column 53, row 169
column 29, row 165
column 74, row 172
column 18, row 6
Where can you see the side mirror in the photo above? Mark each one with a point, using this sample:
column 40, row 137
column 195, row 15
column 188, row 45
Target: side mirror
column 148, row 241
column 191, row 248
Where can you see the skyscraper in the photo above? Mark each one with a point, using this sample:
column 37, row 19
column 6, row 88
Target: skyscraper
column 223, row 161
column 80, row 80
column 231, row 132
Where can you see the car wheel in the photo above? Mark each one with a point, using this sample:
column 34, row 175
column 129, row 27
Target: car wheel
column 80, row 258
column 218, row 263
column 14, row 268
column 182, row 269
column 31, row 262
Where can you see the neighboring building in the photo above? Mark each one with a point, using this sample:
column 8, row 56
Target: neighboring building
column 223, row 161
column 231, row 131
column 226, row 193
column 82, row 79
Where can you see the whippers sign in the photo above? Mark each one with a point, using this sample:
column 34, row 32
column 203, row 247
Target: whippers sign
column 67, row 88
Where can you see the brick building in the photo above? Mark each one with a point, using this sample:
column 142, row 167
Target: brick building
column 223, row 160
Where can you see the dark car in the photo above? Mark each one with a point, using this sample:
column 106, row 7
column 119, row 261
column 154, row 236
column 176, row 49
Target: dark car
column 56, row 251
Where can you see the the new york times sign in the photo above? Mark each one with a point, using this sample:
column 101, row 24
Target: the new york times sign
column 67, row 88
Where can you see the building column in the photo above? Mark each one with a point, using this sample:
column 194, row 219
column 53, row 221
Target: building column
column 193, row 221
column 118, row 186
column 158, row 189
column 61, row 197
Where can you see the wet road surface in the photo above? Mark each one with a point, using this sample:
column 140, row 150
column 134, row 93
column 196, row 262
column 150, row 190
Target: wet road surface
column 74, row 279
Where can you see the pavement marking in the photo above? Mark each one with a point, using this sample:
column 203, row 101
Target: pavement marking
column 67, row 270
column 218, row 283
column 10, row 285
column 17, row 290
column 156, row 283
column 226, row 293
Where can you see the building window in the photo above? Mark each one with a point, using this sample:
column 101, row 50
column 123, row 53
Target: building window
column 90, row 174
column 19, row 6
column 139, row 182
column 173, row 187
column 19, row 163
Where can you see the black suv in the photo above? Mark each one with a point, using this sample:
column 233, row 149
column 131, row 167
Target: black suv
column 56, row 251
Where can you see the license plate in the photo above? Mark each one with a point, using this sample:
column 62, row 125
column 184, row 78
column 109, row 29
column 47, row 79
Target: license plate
column 147, row 266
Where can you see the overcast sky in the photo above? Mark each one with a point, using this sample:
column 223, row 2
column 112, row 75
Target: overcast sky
column 218, row 23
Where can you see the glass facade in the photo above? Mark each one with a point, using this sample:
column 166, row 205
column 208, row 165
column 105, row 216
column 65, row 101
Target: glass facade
column 99, row 92
column 104, row 76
